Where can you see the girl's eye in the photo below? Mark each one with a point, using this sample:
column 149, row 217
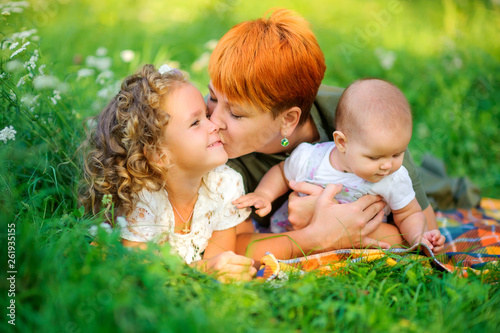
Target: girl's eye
column 373, row 158
column 396, row 155
column 212, row 99
column 196, row 122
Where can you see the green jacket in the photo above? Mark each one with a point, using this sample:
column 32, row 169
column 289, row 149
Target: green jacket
column 253, row 166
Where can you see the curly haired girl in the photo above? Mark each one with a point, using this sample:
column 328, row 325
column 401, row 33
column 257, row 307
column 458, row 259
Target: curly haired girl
column 159, row 156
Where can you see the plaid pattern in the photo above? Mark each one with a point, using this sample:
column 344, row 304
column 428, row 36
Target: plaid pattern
column 472, row 241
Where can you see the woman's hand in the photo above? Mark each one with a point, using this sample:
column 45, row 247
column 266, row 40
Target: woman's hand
column 301, row 209
column 348, row 225
column 228, row 267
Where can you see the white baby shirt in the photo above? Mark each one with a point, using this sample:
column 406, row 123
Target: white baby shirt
column 311, row 163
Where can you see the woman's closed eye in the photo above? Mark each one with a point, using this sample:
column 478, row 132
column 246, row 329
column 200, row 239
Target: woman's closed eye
column 235, row 116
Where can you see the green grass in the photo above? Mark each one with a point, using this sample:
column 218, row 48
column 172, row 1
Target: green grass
column 446, row 61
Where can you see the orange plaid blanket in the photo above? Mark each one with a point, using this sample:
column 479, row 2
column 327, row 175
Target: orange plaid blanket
column 472, row 243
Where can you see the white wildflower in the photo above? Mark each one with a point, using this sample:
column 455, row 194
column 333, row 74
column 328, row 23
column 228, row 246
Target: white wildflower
column 164, row 69
column 85, row 72
column 32, row 62
column 19, row 50
column 127, row 55
column 121, row 222
column 101, row 64
column 41, row 68
column 21, row 81
column 5, row 13
column 93, row 231
column 211, row 44
column 46, row 82
column 24, row 34
column 29, row 100
column 201, row 63
column 457, row 62
column 8, row 133
column 101, row 52
column 13, row 66
column 385, row 57
column 106, row 227
column 104, row 76
column 3, row 75
column 13, row 45
column 56, row 97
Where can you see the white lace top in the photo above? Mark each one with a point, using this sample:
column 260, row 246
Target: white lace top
column 153, row 217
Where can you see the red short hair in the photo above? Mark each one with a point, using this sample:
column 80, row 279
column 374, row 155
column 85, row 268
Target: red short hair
column 272, row 64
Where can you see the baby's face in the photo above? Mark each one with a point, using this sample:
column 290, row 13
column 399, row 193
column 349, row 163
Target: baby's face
column 374, row 155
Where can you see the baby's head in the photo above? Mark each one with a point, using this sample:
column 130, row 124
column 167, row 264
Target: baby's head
column 126, row 151
column 373, row 125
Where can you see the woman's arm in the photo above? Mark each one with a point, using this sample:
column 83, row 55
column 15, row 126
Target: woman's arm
column 333, row 226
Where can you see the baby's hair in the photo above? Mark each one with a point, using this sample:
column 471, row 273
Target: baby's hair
column 372, row 102
column 124, row 146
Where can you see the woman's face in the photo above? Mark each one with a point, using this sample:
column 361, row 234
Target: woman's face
column 243, row 130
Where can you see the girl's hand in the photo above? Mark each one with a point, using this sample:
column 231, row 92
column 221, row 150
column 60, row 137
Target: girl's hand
column 301, row 209
column 260, row 201
column 228, row 267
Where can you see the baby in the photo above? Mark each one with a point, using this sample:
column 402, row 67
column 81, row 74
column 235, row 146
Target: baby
column 373, row 125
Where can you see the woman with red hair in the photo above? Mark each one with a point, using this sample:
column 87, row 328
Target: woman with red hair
column 266, row 96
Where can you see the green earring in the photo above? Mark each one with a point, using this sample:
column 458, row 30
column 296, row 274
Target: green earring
column 284, row 141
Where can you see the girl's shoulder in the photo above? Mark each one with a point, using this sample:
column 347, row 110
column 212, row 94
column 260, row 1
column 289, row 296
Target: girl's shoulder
column 154, row 200
column 223, row 180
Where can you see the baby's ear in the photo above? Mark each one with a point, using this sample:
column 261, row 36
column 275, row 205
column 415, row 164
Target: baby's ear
column 340, row 141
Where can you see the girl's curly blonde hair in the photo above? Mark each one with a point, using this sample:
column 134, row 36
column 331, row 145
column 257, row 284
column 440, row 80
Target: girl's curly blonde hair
column 124, row 147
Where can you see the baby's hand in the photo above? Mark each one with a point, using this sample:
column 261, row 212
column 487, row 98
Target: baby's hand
column 435, row 238
column 259, row 200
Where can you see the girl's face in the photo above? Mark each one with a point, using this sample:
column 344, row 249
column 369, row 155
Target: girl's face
column 376, row 154
column 243, row 130
column 191, row 138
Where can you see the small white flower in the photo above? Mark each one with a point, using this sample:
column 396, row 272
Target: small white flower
column 106, row 227
column 8, row 133
column 19, row 50
column 29, row 100
column 45, row 82
column 164, row 69
column 211, row 44
column 104, row 76
column 101, row 52
column 24, row 34
column 127, row 55
column 20, row 82
column 201, row 63
column 13, row 66
column 13, row 45
column 85, row 72
column 101, row 64
column 385, row 57
column 6, row 13
column 93, row 230
column 121, row 222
